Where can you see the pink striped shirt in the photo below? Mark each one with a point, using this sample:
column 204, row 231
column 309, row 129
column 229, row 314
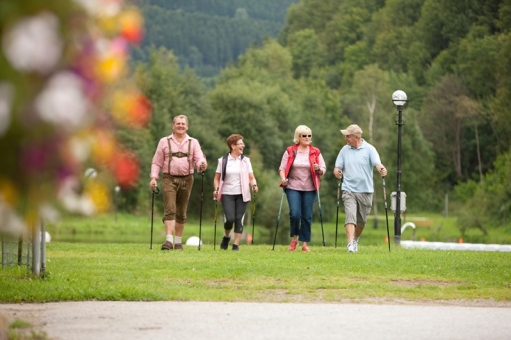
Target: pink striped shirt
column 179, row 166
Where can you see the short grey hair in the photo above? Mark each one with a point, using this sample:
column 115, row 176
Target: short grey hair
column 179, row 117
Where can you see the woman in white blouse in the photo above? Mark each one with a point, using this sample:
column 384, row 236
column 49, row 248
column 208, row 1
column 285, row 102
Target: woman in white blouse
column 234, row 178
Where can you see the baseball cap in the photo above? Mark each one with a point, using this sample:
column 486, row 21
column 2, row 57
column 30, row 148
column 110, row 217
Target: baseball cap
column 353, row 129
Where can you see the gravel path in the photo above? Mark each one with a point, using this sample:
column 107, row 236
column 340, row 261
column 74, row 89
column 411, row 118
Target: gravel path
column 232, row 320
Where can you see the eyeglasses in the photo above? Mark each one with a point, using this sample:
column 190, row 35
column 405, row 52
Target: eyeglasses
column 305, row 136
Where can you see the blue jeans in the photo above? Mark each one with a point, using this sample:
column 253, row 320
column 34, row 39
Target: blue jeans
column 300, row 204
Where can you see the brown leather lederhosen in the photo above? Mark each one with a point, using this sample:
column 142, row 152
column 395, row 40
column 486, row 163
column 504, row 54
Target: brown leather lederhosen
column 177, row 209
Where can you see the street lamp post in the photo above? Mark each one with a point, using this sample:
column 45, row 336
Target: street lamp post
column 400, row 100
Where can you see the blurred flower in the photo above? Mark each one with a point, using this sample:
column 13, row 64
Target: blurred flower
column 62, row 101
column 111, row 59
column 8, row 192
column 101, row 8
column 72, row 201
column 11, row 223
column 79, row 148
column 58, row 69
column 130, row 107
column 99, row 195
column 126, row 170
column 6, row 92
column 38, row 158
column 48, row 213
column 33, row 43
column 104, row 147
column 131, row 25
column 140, row 112
column 84, row 65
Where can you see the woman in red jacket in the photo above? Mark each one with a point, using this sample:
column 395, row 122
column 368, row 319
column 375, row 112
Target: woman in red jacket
column 300, row 169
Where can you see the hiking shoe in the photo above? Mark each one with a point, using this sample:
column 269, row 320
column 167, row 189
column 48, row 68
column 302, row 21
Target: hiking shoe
column 355, row 246
column 225, row 243
column 305, row 248
column 167, row 246
column 351, row 249
column 292, row 245
column 235, row 247
column 178, row 246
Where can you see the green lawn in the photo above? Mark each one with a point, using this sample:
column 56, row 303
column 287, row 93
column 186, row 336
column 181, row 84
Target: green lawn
column 85, row 271
column 111, row 260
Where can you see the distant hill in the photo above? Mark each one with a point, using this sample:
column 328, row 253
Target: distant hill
column 208, row 34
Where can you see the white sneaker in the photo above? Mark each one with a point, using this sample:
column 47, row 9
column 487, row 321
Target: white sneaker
column 355, row 246
column 351, row 249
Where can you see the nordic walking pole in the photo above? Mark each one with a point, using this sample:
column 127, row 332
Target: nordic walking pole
column 386, row 211
column 278, row 221
column 253, row 218
column 320, row 212
column 214, row 235
column 200, row 209
column 337, row 218
column 155, row 191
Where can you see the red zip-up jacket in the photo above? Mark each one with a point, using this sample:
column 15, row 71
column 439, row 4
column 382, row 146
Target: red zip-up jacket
column 313, row 158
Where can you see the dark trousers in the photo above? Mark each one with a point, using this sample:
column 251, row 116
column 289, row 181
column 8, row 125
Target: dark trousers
column 234, row 212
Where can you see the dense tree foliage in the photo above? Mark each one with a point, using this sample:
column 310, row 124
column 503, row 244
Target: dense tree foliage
column 268, row 10
column 338, row 62
column 457, row 54
column 206, row 35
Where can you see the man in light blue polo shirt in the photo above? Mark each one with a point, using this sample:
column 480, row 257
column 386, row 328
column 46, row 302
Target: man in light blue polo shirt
column 355, row 162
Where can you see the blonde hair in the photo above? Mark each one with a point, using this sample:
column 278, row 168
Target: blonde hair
column 300, row 130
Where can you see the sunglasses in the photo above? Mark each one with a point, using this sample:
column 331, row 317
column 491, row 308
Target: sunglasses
column 305, row 136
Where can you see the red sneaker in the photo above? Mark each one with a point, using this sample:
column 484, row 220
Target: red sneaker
column 305, row 248
column 293, row 245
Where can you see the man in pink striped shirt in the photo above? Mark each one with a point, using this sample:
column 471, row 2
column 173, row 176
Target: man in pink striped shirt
column 176, row 156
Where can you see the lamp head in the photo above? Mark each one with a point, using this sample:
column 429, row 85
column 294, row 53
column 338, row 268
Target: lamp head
column 399, row 99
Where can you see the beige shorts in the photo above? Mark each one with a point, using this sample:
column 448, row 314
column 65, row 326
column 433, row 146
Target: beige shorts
column 357, row 206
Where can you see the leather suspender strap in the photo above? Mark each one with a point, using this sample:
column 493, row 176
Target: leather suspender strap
column 189, row 156
column 180, row 154
column 170, row 155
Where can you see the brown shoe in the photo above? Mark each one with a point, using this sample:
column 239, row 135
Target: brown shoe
column 167, row 246
column 178, row 246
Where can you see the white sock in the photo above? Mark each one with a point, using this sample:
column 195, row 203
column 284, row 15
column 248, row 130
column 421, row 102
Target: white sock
column 169, row 238
column 178, row 239
column 356, row 239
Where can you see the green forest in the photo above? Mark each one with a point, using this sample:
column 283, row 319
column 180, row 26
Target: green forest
column 207, row 35
column 328, row 64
